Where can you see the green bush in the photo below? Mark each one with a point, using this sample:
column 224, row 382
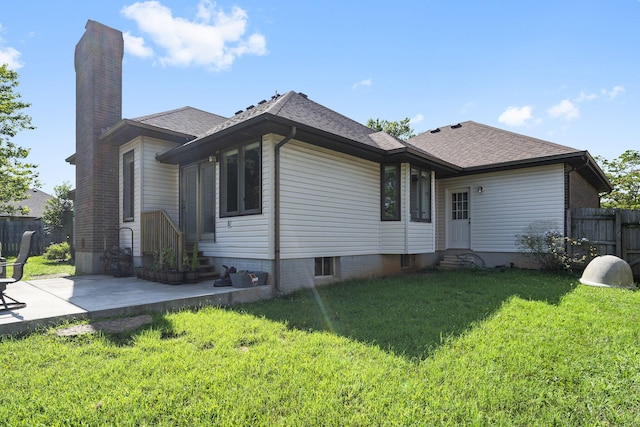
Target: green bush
column 58, row 251
column 554, row 251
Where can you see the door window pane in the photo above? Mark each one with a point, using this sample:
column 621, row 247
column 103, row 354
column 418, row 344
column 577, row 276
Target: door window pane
column 207, row 191
column 190, row 201
column 460, row 205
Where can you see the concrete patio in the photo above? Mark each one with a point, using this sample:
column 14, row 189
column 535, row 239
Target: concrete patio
column 54, row 301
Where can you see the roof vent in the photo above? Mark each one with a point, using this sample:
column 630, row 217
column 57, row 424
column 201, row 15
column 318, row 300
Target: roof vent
column 238, row 112
column 436, row 130
column 304, row 95
column 250, row 107
column 262, row 102
column 458, row 126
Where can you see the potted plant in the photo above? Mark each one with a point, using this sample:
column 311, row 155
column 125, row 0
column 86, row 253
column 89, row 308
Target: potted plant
column 154, row 270
column 191, row 266
column 173, row 276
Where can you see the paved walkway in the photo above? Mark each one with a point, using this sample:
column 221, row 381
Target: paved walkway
column 52, row 301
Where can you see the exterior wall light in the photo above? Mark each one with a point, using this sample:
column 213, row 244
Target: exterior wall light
column 480, row 189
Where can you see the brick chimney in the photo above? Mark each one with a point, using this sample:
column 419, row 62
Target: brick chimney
column 98, row 65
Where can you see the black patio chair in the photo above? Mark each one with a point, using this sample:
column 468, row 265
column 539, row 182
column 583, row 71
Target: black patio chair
column 18, row 270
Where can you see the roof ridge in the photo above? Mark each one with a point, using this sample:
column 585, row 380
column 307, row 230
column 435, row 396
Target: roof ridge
column 173, row 111
column 281, row 101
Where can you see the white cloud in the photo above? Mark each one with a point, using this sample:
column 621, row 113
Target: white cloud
column 362, row 83
column 416, row 119
column 11, row 57
column 586, row 97
column 466, row 107
column 516, row 116
column 565, row 109
column 617, row 90
column 136, row 46
column 215, row 39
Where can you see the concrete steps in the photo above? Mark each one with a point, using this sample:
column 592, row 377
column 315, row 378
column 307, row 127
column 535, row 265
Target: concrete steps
column 205, row 268
column 457, row 261
column 451, row 262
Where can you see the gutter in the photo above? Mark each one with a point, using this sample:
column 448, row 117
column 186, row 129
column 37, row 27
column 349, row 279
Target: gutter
column 276, row 270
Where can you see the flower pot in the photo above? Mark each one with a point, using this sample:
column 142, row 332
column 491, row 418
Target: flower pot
column 191, row 276
column 161, row 276
column 174, row 277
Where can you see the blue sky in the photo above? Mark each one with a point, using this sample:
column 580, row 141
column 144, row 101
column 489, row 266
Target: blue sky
column 567, row 71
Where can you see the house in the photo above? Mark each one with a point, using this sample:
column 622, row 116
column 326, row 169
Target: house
column 35, row 204
column 293, row 188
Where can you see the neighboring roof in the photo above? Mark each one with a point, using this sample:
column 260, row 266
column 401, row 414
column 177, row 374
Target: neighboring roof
column 476, row 147
column 36, row 202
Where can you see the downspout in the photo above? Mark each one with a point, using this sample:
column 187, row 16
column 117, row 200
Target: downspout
column 276, row 270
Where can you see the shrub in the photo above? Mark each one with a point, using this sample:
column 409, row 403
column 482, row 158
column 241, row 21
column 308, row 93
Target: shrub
column 58, row 251
column 553, row 250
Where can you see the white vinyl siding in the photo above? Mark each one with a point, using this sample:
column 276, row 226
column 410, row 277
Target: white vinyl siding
column 509, row 202
column 406, row 236
column 160, row 185
column 330, row 203
column 248, row 236
column 155, row 186
column 421, row 235
column 329, row 207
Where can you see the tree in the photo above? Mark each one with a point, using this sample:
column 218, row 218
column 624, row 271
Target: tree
column 17, row 176
column 58, row 212
column 400, row 129
column 624, row 174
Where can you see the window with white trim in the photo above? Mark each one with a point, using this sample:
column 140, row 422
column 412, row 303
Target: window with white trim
column 420, row 194
column 324, row 266
column 390, row 192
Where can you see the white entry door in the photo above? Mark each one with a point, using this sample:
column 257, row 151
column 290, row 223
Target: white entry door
column 459, row 219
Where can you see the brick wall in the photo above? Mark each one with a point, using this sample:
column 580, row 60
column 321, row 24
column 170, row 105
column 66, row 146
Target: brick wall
column 581, row 193
column 98, row 64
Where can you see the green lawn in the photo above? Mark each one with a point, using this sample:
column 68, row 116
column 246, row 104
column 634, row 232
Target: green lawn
column 446, row 348
column 38, row 267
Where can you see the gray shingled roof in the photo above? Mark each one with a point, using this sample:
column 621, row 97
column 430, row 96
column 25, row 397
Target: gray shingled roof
column 186, row 120
column 36, row 201
column 472, row 144
column 298, row 108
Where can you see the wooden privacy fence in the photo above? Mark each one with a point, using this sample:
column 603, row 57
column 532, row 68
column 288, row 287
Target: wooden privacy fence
column 612, row 231
column 11, row 235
